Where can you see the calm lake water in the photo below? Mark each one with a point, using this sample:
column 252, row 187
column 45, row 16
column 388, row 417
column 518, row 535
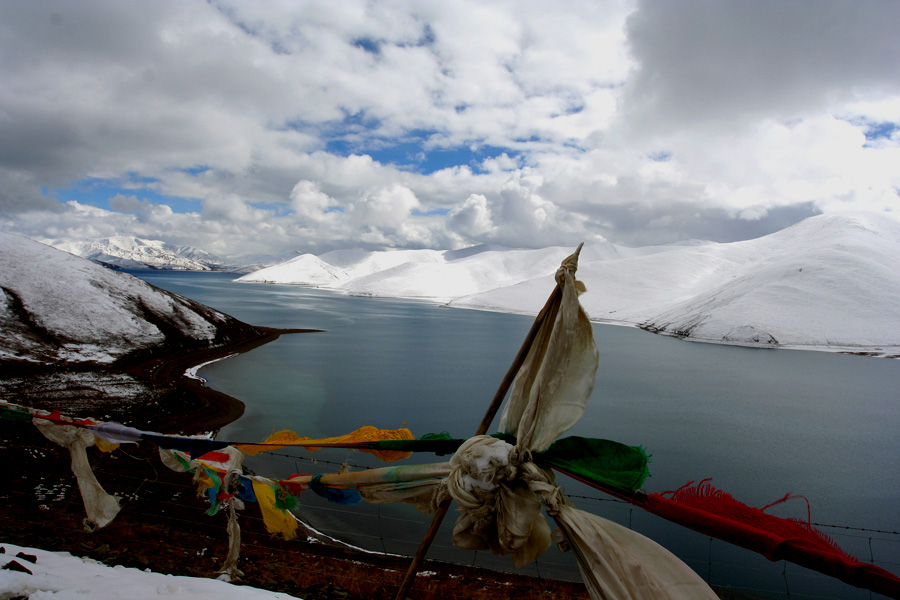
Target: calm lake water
column 760, row 423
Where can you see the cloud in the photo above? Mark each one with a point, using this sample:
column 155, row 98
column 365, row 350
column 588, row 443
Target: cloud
column 310, row 203
column 726, row 64
column 472, row 219
column 385, row 208
column 252, row 127
column 123, row 203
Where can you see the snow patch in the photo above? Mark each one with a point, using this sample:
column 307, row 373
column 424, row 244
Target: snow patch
column 61, row 576
column 192, row 372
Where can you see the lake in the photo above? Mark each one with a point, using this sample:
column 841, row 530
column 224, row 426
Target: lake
column 760, row 423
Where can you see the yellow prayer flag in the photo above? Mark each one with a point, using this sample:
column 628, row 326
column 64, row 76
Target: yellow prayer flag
column 366, row 433
column 277, row 521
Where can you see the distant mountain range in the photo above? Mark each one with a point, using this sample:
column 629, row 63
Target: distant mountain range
column 830, row 282
column 126, row 252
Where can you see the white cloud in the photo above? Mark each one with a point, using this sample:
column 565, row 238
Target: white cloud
column 473, row 218
column 385, row 208
column 309, row 202
column 640, row 121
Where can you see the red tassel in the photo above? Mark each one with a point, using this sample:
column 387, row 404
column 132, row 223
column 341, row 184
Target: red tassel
column 705, row 497
column 717, row 514
column 713, row 512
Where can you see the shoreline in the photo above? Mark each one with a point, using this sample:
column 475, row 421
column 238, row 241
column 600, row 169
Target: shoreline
column 154, row 393
column 882, row 351
column 213, row 409
column 890, row 351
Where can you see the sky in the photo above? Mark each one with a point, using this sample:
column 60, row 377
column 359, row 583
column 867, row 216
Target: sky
column 269, row 128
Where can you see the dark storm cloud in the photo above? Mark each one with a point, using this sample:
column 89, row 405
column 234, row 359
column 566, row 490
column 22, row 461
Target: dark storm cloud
column 732, row 61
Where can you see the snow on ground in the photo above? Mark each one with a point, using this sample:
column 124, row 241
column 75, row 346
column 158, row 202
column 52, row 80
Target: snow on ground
column 61, row 576
column 828, row 282
column 56, row 306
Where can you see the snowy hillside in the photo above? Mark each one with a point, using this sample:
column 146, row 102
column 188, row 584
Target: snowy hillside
column 127, row 252
column 431, row 274
column 828, row 282
column 58, row 307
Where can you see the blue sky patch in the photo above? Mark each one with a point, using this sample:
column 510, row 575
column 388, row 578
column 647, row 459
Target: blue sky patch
column 196, row 170
column 358, row 133
column 884, row 130
column 412, row 153
column 99, row 192
column 430, row 213
column 413, row 156
column 875, row 131
column 369, row 45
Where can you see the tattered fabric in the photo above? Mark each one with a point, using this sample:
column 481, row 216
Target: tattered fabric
column 553, row 386
column 101, row 507
column 548, row 397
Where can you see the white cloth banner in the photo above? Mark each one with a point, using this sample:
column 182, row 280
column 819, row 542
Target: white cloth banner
column 552, row 388
column 101, row 508
column 617, row 563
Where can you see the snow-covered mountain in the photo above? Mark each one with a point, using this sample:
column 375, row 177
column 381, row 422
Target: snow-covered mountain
column 436, row 275
column 59, row 308
column 828, row 282
column 126, row 252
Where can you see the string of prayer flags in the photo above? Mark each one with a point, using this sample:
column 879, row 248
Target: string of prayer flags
column 611, row 467
column 195, row 447
column 359, row 439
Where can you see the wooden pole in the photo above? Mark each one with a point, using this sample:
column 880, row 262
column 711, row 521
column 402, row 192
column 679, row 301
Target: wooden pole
column 549, row 308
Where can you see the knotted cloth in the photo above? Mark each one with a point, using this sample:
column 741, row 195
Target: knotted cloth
column 498, row 512
column 500, row 490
